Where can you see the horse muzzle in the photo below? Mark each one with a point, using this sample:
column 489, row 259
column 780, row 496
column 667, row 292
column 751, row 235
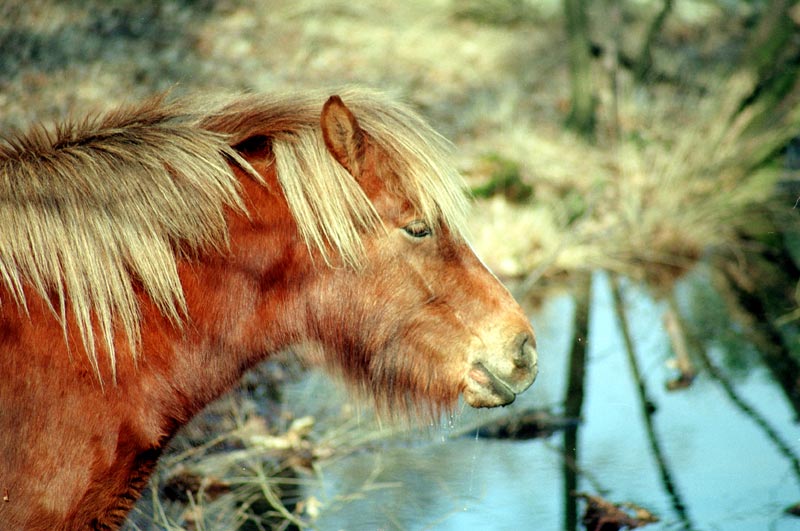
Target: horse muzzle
column 497, row 380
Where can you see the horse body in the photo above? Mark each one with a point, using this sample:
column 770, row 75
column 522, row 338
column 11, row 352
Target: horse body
column 403, row 310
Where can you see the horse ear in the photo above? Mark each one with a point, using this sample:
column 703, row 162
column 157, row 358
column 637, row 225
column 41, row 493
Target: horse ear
column 342, row 134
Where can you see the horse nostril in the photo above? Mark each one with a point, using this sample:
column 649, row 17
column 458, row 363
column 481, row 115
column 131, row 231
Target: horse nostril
column 525, row 354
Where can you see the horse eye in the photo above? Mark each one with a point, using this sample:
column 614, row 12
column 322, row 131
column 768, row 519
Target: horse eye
column 418, row 229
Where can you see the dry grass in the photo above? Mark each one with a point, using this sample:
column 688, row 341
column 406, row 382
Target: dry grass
column 677, row 183
column 238, row 466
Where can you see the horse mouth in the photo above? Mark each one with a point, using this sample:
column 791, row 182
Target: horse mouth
column 486, row 389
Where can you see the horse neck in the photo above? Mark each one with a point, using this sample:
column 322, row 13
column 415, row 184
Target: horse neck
column 244, row 303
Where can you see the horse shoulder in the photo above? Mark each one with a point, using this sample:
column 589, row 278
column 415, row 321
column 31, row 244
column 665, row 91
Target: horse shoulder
column 71, row 450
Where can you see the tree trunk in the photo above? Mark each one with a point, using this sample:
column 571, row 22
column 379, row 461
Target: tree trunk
column 772, row 56
column 573, row 403
column 581, row 117
column 645, row 61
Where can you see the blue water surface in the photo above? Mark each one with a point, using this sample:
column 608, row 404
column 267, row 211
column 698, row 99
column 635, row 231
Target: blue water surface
column 730, row 468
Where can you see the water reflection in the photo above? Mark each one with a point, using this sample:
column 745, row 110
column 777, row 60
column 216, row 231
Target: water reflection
column 720, row 454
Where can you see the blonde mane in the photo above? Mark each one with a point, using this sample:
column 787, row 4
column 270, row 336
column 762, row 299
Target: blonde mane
column 95, row 209
column 329, row 207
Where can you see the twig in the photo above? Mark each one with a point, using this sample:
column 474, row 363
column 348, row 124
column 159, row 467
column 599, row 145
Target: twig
column 648, row 409
column 677, row 338
column 750, row 312
column 749, row 411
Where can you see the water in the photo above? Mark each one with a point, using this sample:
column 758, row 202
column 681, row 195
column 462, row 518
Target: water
column 728, row 456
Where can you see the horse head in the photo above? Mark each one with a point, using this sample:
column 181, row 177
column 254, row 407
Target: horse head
column 422, row 319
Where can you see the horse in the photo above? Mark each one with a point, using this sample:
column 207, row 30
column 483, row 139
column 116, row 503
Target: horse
column 151, row 254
